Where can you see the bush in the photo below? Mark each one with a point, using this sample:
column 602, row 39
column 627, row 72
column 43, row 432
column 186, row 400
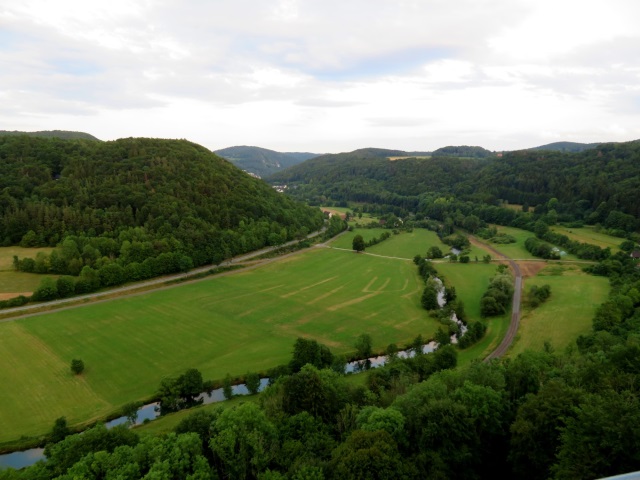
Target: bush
column 77, row 366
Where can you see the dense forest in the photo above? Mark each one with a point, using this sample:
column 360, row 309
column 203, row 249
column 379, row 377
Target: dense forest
column 135, row 208
column 261, row 161
column 595, row 186
column 569, row 415
column 62, row 134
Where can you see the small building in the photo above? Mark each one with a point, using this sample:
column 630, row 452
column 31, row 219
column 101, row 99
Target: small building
column 635, row 254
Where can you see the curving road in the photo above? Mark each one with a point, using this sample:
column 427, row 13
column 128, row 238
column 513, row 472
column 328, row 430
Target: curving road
column 515, row 305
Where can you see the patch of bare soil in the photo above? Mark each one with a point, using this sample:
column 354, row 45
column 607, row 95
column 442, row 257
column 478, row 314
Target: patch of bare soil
column 7, row 296
column 530, row 269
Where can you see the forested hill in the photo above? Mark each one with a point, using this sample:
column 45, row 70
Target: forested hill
column 63, row 134
column 591, row 183
column 142, row 197
column 369, row 176
column 587, row 185
column 261, row 161
column 569, row 147
column 463, row 151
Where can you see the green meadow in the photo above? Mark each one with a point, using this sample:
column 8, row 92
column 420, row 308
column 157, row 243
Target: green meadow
column 517, row 250
column 471, row 281
column 567, row 314
column 588, row 234
column 12, row 282
column 233, row 324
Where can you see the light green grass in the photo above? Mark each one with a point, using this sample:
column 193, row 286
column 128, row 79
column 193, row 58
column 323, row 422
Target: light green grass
column 589, row 235
column 567, row 314
column 405, row 244
column 7, row 254
column 20, row 282
column 243, row 322
column 408, row 244
column 517, row 250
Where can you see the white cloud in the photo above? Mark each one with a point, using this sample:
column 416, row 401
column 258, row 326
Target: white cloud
column 324, row 76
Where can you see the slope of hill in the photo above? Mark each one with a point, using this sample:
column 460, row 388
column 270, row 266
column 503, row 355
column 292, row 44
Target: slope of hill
column 63, row 134
column 261, row 161
column 463, row 151
column 134, row 200
column 367, row 175
column 568, row 147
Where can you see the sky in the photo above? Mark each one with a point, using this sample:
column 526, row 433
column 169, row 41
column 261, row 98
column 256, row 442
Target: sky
column 324, row 75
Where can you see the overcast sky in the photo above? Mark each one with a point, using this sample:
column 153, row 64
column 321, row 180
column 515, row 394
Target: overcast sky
column 324, row 75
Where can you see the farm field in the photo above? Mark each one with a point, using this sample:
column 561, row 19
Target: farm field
column 567, row 314
column 405, row 245
column 588, row 234
column 243, row 322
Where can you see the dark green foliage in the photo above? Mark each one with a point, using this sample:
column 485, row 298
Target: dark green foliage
column 475, row 332
column 252, row 381
column 541, row 249
column 537, row 295
column 429, row 299
column 227, row 387
column 178, row 393
column 77, row 366
column 363, row 346
column 135, row 208
column 462, row 151
column 48, row 290
column 496, row 299
column 310, row 351
column 60, row 430
column 358, row 243
column 434, row 252
column 368, row 455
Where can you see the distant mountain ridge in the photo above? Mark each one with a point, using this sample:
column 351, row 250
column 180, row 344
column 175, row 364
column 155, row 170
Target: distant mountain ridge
column 262, row 161
column 567, row 147
column 62, row 134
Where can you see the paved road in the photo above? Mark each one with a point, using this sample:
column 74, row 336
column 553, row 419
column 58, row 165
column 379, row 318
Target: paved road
column 78, row 300
column 515, row 305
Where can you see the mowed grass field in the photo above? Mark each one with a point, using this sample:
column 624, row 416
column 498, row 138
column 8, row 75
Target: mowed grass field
column 404, row 245
column 233, row 324
column 567, row 314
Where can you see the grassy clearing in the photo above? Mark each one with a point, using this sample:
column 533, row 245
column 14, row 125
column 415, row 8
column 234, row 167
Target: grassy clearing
column 566, row 314
column 234, row 324
column 471, row 281
column 517, row 250
column 404, row 245
column 589, row 235
column 20, row 282
column 7, row 254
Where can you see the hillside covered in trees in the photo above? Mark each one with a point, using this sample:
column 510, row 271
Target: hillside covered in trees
column 261, row 161
column 598, row 185
column 136, row 208
column 62, row 134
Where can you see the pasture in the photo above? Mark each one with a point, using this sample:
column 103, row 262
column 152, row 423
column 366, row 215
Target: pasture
column 567, row 314
column 14, row 283
column 404, row 245
column 588, row 234
column 517, row 250
column 243, row 322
